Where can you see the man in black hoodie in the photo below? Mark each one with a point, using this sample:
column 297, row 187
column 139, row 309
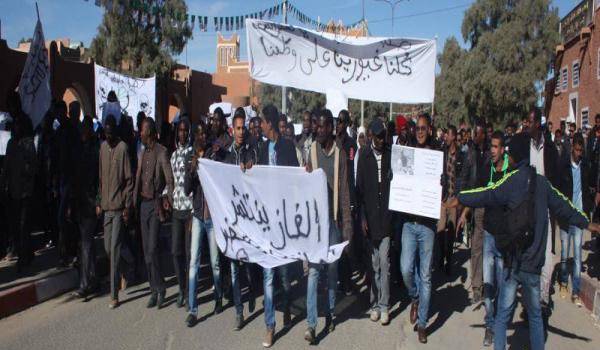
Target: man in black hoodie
column 524, row 267
column 373, row 188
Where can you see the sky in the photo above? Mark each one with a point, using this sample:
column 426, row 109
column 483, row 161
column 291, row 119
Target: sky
column 79, row 20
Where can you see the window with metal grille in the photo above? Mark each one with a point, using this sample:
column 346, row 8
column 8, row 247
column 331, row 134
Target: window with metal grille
column 575, row 74
column 564, row 77
column 585, row 116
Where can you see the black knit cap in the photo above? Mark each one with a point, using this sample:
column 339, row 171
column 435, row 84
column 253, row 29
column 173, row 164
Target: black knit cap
column 519, row 147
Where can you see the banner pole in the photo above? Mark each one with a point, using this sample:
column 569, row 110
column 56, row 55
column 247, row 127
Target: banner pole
column 283, row 88
column 37, row 10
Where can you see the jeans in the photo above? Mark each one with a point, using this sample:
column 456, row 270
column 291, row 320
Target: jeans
column 235, row 284
column 576, row 234
column 417, row 243
column 313, row 281
column 380, row 283
column 20, row 212
column 113, row 232
column 268, row 275
column 492, row 277
column 180, row 246
column 530, row 289
column 150, row 236
column 201, row 228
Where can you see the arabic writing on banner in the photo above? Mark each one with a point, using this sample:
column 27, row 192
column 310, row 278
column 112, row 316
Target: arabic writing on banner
column 269, row 215
column 369, row 68
column 415, row 187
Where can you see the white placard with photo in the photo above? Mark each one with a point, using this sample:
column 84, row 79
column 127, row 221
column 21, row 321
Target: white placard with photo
column 416, row 186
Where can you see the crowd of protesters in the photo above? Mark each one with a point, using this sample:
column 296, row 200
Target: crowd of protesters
column 72, row 177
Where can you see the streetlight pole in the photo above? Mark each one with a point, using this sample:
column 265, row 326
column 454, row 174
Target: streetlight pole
column 393, row 4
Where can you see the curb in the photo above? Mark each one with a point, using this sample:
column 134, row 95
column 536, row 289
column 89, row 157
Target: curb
column 21, row 297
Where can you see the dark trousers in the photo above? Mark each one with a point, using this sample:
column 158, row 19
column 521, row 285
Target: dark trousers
column 87, row 226
column 113, row 232
column 20, row 229
column 67, row 241
column 150, row 231
column 180, row 245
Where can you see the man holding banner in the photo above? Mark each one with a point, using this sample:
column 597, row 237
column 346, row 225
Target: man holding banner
column 281, row 152
column 326, row 155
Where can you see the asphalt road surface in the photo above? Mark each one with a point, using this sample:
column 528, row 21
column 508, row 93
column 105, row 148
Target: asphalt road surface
column 67, row 323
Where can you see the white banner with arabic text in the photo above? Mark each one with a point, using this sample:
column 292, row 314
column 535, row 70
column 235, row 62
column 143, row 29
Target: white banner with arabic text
column 269, row 215
column 399, row 70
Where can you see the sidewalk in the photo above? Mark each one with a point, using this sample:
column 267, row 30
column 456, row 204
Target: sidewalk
column 37, row 283
column 590, row 283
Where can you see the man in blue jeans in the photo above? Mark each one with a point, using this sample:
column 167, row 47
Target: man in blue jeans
column 325, row 154
column 201, row 226
column 524, row 265
column 574, row 174
column 244, row 155
column 280, row 152
column 496, row 168
column 418, row 236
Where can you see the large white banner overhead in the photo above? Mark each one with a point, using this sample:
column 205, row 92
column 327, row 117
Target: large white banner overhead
column 269, row 215
column 134, row 94
column 370, row 68
column 34, row 86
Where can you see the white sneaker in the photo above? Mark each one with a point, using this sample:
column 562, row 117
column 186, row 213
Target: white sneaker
column 385, row 318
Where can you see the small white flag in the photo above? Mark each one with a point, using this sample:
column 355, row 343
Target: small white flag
column 34, row 87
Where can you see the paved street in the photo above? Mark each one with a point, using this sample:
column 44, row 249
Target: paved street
column 64, row 323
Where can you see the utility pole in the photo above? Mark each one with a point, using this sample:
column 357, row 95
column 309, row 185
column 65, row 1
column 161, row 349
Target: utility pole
column 393, row 4
column 283, row 88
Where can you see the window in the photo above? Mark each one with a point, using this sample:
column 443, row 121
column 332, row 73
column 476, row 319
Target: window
column 575, row 74
column 564, row 78
column 585, row 116
column 557, row 78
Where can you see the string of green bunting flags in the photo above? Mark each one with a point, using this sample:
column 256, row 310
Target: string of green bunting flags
column 229, row 23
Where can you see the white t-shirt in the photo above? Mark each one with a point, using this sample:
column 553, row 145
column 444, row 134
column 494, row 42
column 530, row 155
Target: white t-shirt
column 536, row 156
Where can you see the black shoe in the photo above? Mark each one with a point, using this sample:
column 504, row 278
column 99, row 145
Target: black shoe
column 329, row 324
column 161, row 300
column 152, row 301
column 251, row 305
column 488, row 338
column 239, row 322
column 218, row 307
column 180, row 300
column 191, row 320
column 80, row 293
column 309, row 335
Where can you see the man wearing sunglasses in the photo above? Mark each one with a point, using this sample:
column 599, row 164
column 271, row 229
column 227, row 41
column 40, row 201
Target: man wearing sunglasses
column 418, row 235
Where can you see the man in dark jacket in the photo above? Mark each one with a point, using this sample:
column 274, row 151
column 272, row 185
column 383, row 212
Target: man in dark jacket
column 373, row 189
column 244, row 155
column 17, row 181
column 348, row 144
column 544, row 157
column 574, row 183
column 524, row 268
column 82, row 209
column 281, row 152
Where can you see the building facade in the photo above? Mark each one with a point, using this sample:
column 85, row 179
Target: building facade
column 573, row 94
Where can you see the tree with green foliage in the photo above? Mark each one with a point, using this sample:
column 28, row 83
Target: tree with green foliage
column 142, row 35
column 511, row 47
